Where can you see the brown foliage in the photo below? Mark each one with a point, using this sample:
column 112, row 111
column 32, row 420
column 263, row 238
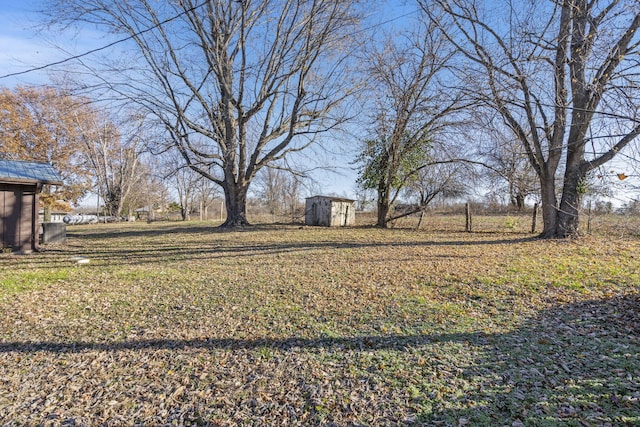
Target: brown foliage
column 40, row 124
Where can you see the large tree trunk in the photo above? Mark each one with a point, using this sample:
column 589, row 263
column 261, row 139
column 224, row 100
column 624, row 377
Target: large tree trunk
column 236, row 204
column 573, row 189
column 383, row 206
column 520, row 201
column 568, row 216
column 549, row 207
column 563, row 221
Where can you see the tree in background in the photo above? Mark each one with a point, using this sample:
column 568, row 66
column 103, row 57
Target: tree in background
column 42, row 124
column 280, row 190
column 444, row 180
column 238, row 85
column 563, row 77
column 205, row 194
column 152, row 195
column 389, row 166
column 113, row 154
column 507, row 165
column 192, row 189
column 406, row 76
column 184, row 181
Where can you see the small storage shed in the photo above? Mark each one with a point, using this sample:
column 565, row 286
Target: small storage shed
column 20, row 184
column 330, row 211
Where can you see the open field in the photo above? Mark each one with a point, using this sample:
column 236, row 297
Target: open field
column 181, row 324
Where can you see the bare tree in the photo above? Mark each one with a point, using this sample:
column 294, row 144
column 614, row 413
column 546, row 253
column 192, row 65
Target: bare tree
column 184, row 181
column 508, row 168
column 113, row 152
column 206, row 192
column 271, row 184
column 407, row 76
column 279, row 189
column 445, row 180
column 152, row 195
column 237, row 85
column 563, row 77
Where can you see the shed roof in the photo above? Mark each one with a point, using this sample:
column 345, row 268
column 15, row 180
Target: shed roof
column 333, row 198
column 18, row 171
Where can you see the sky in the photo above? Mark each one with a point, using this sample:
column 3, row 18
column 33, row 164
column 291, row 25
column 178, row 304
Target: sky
column 20, row 47
column 25, row 44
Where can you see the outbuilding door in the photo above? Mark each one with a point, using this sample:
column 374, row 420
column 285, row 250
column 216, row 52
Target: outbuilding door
column 17, row 216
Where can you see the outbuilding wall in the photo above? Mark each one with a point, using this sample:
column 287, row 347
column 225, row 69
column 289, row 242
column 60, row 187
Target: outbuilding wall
column 18, row 219
column 329, row 211
column 343, row 214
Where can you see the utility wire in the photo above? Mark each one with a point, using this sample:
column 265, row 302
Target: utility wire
column 107, row 46
column 146, row 30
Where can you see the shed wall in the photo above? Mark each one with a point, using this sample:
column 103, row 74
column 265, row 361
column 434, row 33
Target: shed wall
column 342, row 214
column 328, row 212
column 18, row 217
column 318, row 211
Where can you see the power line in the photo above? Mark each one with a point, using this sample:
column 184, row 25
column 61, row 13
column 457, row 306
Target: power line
column 107, row 46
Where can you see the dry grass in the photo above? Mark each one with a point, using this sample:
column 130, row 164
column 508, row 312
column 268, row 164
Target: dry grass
column 180, row 324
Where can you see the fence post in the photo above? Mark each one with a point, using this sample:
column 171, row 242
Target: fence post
column 589, row 219
column 535, row 218
column 467, row 211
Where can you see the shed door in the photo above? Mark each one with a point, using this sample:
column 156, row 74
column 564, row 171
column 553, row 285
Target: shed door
column 16, row 216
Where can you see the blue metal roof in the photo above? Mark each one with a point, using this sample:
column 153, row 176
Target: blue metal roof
column 28, row 172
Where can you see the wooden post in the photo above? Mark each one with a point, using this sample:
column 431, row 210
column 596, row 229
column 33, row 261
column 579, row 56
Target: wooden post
column 98, row 205
column 467, row 211
column 535, row 218
column 589, row 219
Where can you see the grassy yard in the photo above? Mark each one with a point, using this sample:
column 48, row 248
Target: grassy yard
column 181, row 324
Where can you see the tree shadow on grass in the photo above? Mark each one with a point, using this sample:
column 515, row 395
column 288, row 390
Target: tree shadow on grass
column 572, row 365
column 155, row 230
column 162, row 252
column 152, row 252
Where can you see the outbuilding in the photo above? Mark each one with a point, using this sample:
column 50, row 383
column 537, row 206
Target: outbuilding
column 20, row 184
column 330, row 211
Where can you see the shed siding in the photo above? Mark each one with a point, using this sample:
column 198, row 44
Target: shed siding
column 342, row 214
column 318, row 211
column 17, row 208
column 329, row 212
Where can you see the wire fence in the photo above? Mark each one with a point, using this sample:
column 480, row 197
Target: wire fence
column 446, row 219
column 454, row 219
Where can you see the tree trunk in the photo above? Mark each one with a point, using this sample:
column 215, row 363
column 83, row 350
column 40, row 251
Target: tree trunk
column 519, row 201
column 383, row 208
column 185, row 213
column 549, row 207
column 563, row 221
column 568, row 215
column 236, row 205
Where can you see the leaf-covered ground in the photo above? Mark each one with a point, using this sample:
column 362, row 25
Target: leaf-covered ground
column 180, row 324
